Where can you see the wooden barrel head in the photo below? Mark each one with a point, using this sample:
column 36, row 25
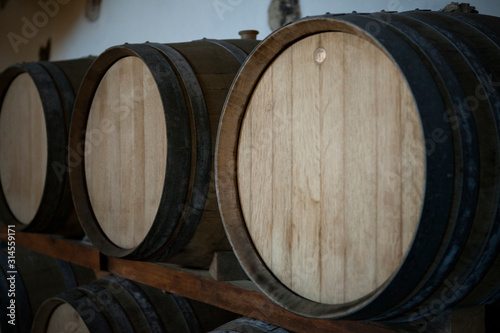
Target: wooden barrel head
column 23, row 148
column 126, row 150
column 331, row 167
column 66, row 319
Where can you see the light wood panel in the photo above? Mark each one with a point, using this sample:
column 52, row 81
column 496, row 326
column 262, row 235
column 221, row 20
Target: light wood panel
column 305, row 164
column 23, row 148
column 331, row 167
column 65, row 319
column 126, row 149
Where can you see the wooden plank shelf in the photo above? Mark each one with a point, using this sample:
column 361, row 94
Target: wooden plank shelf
column 241, row 297
column 69, row 250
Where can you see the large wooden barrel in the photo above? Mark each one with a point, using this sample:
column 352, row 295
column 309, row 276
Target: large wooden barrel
column 33, row 279
column 141, row 149
column 248, row 325
column 114, row 304
column 36, row 102
column 357, row 164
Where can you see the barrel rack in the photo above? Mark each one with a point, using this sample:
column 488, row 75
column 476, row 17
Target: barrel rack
column 241, row 297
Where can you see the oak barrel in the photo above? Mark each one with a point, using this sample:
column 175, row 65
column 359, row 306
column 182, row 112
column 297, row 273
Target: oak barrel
column 141, row 149
column 357, row 164
column 114, row 304
column 31, row 280
column 36, row 103
column 248, row 325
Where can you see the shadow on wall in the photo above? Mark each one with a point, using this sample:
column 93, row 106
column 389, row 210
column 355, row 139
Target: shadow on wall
column 28, row 29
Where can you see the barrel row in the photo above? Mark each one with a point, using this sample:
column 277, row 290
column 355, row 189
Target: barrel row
column 148, row 107
column 52, row 295
column 114, row 304
column 356, row 161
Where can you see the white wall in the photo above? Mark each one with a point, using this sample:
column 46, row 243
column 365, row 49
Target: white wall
column 165, row 21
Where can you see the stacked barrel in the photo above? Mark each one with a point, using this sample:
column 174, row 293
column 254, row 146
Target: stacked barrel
column 36, row 103
column 356, row 161
column 357, row 164
column 142, row 144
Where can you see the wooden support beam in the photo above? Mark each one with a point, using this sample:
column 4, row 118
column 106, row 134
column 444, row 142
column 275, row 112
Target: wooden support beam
column 225, row 267
column 73, row 251
column 240, row 297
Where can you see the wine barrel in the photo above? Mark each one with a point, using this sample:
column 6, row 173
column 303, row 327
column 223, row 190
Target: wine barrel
column 141, row 149
column 357, row 164
column 248, row 325
column 31, row 280
column 114, row 304
column 36, row 102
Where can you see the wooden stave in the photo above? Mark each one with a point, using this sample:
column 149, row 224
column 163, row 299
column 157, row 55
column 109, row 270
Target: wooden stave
column 192, row 314
column 228, row 194
column 116, row 306
column 492, row 226
column 461, row 239
column 414, row 266
column 484, row 273
column 65, row 82
column 167, row 305
column 74, row 70
column 394, row 18
column 193, row 247
column 57, row 84
column 77, row 136
column 487, row 25
column 201, row 158
column 402, row 282
column 170, row 236
column 238, row 53
column 449, row 261
column 39, row 277
column 92, row 302
column 77, row 300
column 457, row 229
column 145, row 302
column 473, row 270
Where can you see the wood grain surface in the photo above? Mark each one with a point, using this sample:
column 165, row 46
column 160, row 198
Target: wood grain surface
column 126, row 158
column 331, row 167
column 66, row 319
column 23, row 148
